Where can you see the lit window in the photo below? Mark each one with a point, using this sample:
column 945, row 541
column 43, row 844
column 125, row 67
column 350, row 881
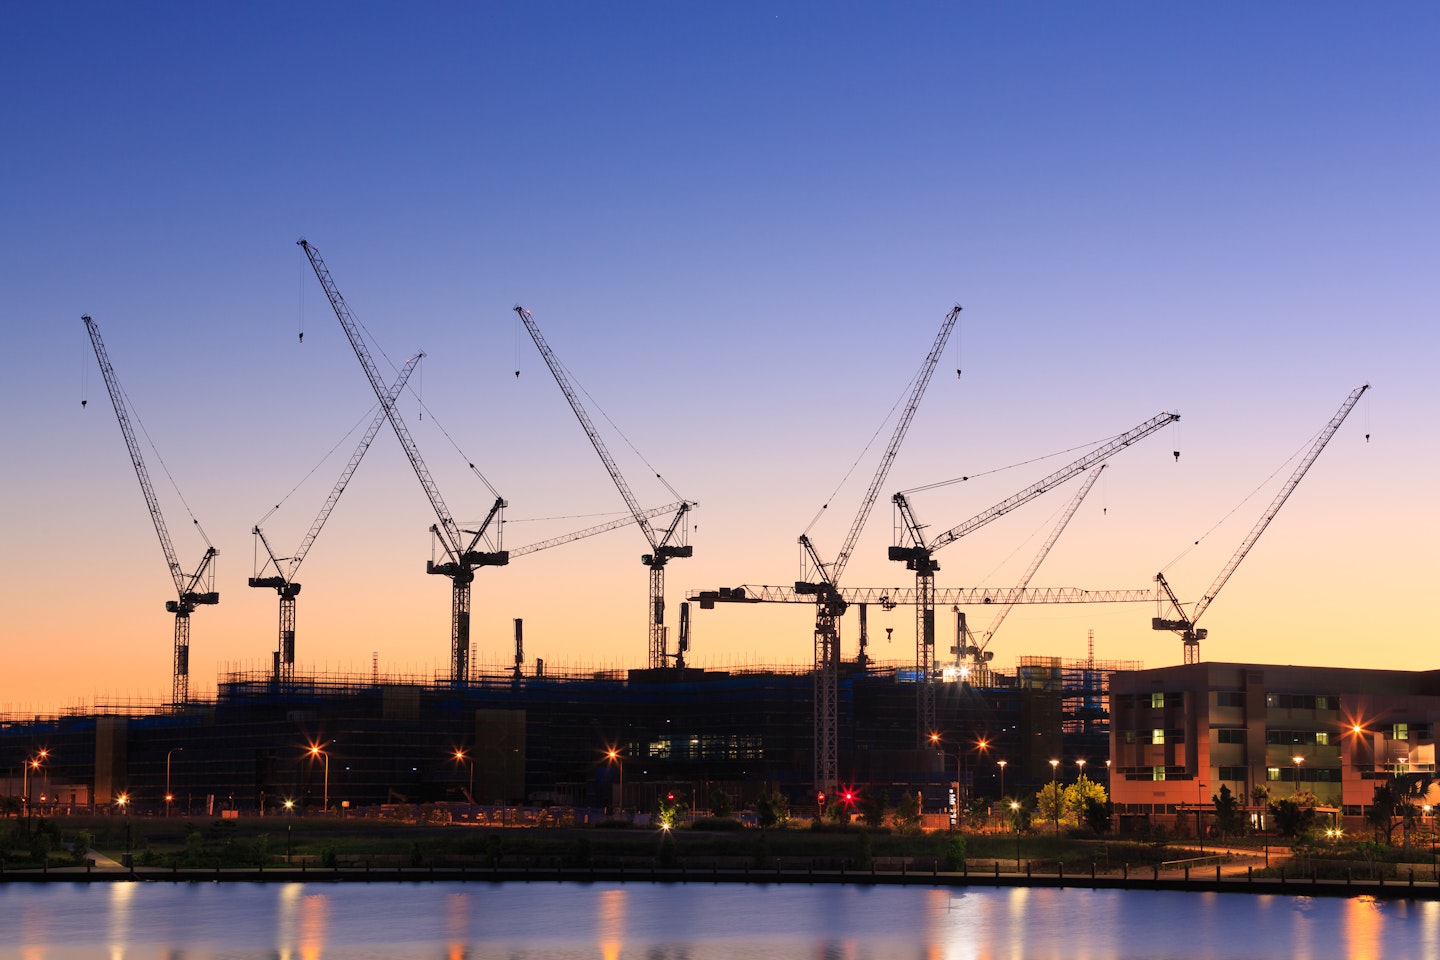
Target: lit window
column 1272, row 773
column 1157, row 735
column 1157, row 773
column 1157, row 700
column 1401, row 731
column 1322, row 738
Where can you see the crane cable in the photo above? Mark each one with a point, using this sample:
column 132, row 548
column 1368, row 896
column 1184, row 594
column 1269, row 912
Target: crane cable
column 909, row 388
column 163, row 466
column 1023, row 463
column 320, row 463
column 1250, row 496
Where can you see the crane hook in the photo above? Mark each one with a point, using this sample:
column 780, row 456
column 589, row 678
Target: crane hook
column 1177, row 454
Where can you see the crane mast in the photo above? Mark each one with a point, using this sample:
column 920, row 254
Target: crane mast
column 829, row 605
column 463, row 557
column 662, row 550
column 188, row 587
column 283, row 582
column 1185, row 625
column 919, row 555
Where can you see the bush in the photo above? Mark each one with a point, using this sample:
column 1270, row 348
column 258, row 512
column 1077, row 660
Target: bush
column 954, row 851
column 327, row 856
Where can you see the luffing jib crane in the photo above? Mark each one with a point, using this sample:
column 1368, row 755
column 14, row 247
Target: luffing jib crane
column 283, row 580
column 1184, row 624
column 663, row 549
column 460, row 546
column 825, row 588
column 918, row 554
column 191, row 589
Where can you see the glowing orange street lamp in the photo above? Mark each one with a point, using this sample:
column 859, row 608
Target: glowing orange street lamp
column 612, row 755
column 1001, row 764
column 462, row 757
column 316, row 751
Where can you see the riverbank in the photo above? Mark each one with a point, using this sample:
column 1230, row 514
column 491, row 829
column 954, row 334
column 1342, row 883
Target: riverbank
column 1192, row 879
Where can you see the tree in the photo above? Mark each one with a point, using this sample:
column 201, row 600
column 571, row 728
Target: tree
column 1294, row 815
column 1079, row 794
column 1050, row 802
column 671, row 811
column 1096, row 815
column 772, row 809
column 720, row 803
column 872, row 806
column 907, row 811
column 1227, row 811
column 1381, row 814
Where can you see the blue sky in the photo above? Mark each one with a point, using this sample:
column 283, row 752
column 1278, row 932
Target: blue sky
column 740, row 227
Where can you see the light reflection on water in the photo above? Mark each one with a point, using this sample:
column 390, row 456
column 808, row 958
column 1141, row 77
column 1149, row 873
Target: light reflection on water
column 640, row 921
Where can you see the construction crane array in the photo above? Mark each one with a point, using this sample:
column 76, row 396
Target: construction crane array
column 663, row 547
column 459, row 546
column 191, row 589
column 283, row 580
column 918, row 554
column 1183, row 623
column 825, row 585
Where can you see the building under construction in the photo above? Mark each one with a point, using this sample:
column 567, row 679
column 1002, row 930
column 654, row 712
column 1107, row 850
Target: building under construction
column 546, row 740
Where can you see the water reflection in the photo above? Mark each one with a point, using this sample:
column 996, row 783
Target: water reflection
column 641, row 921
column 122, row 902
column 611, row 926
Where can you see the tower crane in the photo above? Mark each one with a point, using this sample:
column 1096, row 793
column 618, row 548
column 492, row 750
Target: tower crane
column 662, row 547
column 191, row 589
column 918, row 555
column 283, row 580
column 976, row 651
column 1184, row 624
column 825, row 588
column 459, row 546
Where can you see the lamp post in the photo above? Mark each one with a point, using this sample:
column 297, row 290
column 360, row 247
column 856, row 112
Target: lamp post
column 461, row 757
column 955, row 806
column 613, row 755
column 169, row 797
column 316, row 751
column 1298, row 760
column 1055, row 794
column 1001, row 765
column 289, row 812
column 31, row 763
column 1015, row 822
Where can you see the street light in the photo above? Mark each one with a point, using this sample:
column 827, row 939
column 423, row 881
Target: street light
column 289, row 838
column 461, row 757
column 31, row 763
column 1001, row 765
column 169, row 797
column 1081, row 765
column 316, row 751
column 613, row 755
column 955, row 807
column 1015, row 822
column 1055, row 794
column 1298, row 760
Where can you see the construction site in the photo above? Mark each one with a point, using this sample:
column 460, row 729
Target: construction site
column 948, row 723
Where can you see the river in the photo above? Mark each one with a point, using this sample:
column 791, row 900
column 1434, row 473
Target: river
column 695, row 921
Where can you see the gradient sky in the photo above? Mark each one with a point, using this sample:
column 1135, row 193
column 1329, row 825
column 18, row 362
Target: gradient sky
column 740, row 226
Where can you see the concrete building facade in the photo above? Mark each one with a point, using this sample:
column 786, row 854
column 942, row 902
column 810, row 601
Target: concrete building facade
column 1180, row 733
